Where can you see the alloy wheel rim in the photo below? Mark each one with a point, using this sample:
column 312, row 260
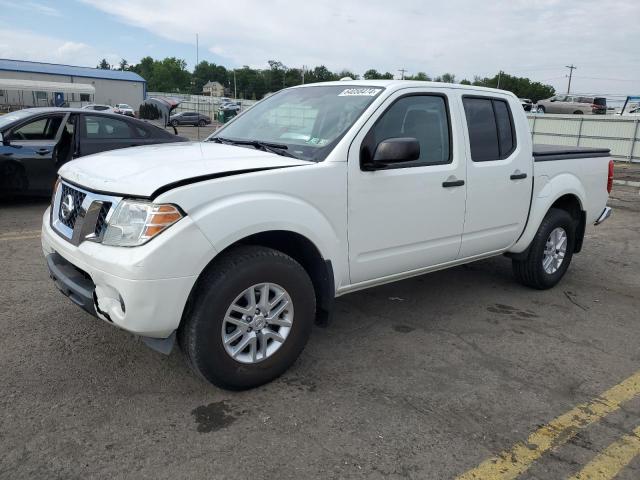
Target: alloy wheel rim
column 555, row 250
column 257, row 323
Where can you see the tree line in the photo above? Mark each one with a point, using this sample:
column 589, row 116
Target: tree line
column 171, row 75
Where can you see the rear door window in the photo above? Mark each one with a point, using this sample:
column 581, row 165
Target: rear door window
column 490, row 126
column 101, row 128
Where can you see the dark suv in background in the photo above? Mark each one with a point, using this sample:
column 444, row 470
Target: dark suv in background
column 189, row 118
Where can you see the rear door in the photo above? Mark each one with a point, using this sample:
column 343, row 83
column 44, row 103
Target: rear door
column 99, row 133
column 499, row 174
column 31, row 145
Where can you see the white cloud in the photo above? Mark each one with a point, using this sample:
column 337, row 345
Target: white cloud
column 461, row 36
column 28, row 45
column 32, row 7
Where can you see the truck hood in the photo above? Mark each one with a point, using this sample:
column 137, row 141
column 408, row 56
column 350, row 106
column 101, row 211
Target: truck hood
column 146, row 171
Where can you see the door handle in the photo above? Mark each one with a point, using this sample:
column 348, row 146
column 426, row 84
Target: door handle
column 43, row 151
column 518, row 176
column 452, row 183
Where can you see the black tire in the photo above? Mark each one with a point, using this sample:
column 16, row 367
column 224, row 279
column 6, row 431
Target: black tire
column 175, row 123
column 578, row 112
column 530, row 271
column 202, row 123
column 541, row 109
column 200, row 333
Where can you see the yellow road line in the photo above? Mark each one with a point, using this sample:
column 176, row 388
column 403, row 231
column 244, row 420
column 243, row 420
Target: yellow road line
column 511, row 463
column 611, row 460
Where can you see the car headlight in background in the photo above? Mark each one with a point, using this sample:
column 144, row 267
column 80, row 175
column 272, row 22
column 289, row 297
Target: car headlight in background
column 135, row 222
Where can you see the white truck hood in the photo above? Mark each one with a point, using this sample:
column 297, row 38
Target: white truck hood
column 141, row 171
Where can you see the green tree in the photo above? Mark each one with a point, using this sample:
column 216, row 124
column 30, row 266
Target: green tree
column 521, row 86
column 373, row 74
column 205, row 72
column 124, row 65
column 422, row 76
column 104, row 65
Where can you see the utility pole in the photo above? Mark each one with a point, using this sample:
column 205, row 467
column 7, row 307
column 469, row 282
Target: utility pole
column 402, row 71
column 304, row 67
column 235, row 90
column 499, row 77
column 571, row 69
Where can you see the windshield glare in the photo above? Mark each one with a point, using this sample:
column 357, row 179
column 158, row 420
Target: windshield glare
column 308, row 120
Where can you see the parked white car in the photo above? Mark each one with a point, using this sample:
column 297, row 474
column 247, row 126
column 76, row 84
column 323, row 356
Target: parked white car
column 124, row 109
column 236, row 245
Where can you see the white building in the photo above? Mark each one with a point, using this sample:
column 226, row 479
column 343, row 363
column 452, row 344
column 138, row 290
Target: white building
column 111, row 86
column 213, row 89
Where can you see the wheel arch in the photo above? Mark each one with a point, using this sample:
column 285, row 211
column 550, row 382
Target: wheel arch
column 563, row 192
column 298, row 247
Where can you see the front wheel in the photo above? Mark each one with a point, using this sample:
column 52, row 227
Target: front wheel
column 550, row 251
column 250, row 318
column 175, row 123
column 541, row 109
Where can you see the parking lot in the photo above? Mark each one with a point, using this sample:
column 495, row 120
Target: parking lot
column 426, row 378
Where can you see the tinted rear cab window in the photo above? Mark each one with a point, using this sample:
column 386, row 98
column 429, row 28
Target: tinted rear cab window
column 490, row 126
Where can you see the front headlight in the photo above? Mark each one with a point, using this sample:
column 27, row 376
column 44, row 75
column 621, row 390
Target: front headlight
column 135, row 222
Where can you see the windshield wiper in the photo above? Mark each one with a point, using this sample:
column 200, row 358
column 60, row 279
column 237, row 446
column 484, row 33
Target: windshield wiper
column 277, row 148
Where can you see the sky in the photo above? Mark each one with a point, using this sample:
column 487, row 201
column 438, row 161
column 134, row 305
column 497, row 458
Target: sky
column 536, row 39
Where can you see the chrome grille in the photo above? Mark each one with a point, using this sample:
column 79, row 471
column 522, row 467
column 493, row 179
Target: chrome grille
column 101, row 222
column 80, row 215
column 77, row 197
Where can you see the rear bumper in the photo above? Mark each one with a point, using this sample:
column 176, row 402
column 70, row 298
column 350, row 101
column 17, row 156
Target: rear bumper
column 606, row 213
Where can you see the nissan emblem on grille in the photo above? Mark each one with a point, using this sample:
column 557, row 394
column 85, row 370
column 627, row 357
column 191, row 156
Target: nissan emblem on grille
column 67, row 207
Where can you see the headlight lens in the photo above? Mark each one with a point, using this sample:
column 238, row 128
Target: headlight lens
column 135, row 222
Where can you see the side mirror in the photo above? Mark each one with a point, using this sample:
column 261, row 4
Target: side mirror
column 395, row 150
column 552, row 100
column 4, row 140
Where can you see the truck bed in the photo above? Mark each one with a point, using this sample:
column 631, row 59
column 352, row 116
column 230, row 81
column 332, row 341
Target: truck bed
column 546, row 153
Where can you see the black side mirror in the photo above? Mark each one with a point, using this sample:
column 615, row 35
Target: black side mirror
column 4, row 140
column 552, row 100
column 394, row 150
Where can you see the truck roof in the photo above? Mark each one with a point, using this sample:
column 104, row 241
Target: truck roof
column 393, row 85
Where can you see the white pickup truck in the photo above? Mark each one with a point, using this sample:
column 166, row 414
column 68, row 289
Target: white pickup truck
column 236, row 245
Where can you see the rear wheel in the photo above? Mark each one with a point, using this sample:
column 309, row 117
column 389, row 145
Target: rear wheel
column 550, row 252
column 250, row 318
column 578, row 112
column 175, row 123
column 202, row 123
column 541, row 109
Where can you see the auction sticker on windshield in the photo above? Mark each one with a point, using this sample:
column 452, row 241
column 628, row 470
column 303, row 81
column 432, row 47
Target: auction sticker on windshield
column 359, row 92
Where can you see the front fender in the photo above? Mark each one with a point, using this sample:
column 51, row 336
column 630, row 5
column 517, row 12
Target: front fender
column 246, row 214
column 547, row 192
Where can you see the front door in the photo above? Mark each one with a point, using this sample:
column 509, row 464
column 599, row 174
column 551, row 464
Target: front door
column 31, row 147
column 410, row 215
column 499, row 174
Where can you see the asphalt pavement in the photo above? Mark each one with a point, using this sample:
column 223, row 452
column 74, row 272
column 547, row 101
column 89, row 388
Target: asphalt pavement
column 457, row 371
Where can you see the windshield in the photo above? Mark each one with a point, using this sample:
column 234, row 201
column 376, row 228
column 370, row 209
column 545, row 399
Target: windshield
column 308, row 122
column 14, row 116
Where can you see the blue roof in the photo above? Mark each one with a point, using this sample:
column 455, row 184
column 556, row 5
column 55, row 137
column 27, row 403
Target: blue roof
column 69, row 70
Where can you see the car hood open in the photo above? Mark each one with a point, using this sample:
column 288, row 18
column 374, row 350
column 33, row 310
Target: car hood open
column 147, row 171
